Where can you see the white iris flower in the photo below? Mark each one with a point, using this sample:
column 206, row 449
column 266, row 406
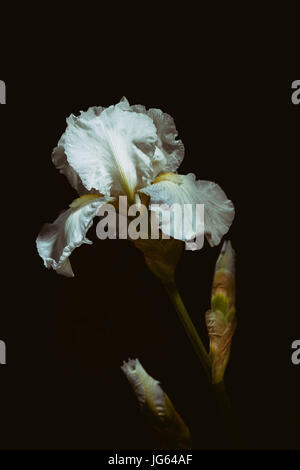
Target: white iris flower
column 124, row 150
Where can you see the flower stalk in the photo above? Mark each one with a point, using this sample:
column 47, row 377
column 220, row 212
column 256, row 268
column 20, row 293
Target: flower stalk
column 161, row 257
column 189, row 327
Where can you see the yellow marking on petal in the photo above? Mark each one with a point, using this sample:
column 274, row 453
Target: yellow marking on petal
column 173, row 177
column 80, row 201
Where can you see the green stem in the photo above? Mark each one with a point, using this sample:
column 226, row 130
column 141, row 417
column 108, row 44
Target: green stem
column 189, row 327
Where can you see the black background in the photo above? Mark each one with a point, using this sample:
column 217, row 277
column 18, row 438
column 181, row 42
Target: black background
column 230, row 96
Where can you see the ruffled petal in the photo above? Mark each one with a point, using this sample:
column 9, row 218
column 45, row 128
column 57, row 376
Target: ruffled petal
column 117, row 150
column 169, row 189
column 56, row 241
column 169, row 150
column 59, row 157
column 112, row 151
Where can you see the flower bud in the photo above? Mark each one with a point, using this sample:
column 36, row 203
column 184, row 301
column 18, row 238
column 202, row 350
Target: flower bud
column 157, row 407
column 221, row 320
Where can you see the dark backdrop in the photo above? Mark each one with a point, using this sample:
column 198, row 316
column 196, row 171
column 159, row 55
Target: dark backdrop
column 62, row 386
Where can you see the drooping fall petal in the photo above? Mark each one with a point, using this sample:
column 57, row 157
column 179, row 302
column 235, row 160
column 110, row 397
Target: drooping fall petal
column 169, row 189
column 56, row 241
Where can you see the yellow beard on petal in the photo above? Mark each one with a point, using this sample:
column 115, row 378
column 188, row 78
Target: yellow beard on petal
column 80, row 201
column 173, row 177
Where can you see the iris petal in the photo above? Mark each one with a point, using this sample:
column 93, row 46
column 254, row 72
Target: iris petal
column 169, row 151
column 113, row 151
column 172, row 189
column 117, row 150
column 56, row 241
column 60, row 160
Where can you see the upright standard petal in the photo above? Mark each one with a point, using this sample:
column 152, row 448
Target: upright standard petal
column 169, row 189
column 60, row 160
column 56, row 241
column 113, row 151
column 169, row 151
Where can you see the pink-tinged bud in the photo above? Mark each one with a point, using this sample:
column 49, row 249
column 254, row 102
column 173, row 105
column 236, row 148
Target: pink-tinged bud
column 221, row 319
